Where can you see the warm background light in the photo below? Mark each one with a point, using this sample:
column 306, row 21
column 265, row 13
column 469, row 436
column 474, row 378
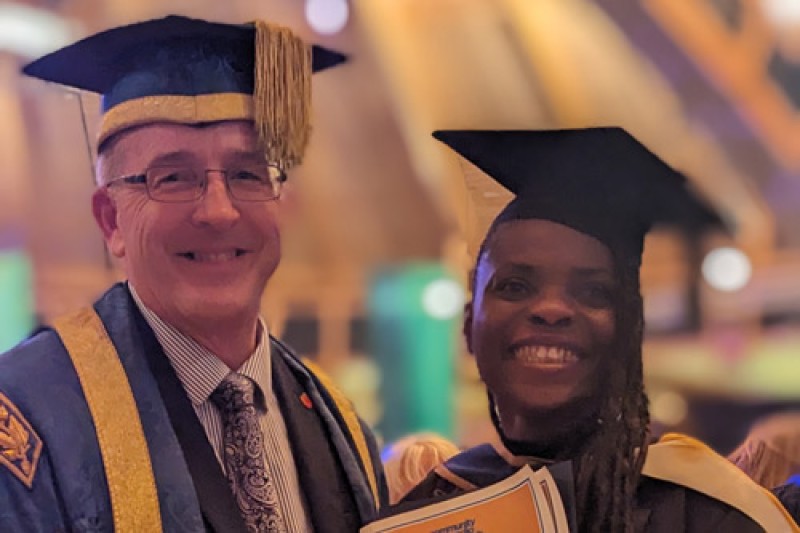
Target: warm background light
column 727, row 269
column 327, row 17
column 443, row 298
column 31, row 32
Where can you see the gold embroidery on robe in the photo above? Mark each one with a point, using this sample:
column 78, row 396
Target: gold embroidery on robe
column 20, row 446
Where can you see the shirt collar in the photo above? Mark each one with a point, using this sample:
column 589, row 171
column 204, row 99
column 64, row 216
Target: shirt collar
column 198, row 369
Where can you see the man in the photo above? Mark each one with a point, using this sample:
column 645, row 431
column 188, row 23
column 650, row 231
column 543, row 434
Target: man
column 167, row 406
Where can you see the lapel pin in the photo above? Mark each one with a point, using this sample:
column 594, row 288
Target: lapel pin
column 306, row 401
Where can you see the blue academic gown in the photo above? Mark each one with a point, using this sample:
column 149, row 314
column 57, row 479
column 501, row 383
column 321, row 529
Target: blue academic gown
column 42, row 401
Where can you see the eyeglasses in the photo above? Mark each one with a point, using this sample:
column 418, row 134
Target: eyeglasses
column 176, row 184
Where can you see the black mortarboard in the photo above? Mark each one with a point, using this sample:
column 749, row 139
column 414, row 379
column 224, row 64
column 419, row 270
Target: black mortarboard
column 599, row 181
column 190, row 71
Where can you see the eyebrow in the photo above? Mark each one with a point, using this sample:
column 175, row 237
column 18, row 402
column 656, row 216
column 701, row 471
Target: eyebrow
column 245, row 155
column 593, row 272
column 178, row 156
column 586, row 272
column 185, row 156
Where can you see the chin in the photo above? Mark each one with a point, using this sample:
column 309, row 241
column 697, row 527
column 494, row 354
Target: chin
column 545, row 402
column 217, row 304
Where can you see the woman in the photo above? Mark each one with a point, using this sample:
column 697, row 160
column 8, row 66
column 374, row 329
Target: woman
column 556, row 324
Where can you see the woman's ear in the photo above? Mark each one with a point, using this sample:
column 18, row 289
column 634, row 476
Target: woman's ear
column 466, row 327
column 104, row 209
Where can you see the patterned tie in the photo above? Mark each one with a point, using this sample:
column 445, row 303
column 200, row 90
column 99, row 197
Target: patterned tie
column 243, row 454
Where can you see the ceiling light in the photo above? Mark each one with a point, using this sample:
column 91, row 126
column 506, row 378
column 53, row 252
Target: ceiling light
column 327, row 16
column 727, row 269
column 31, row 32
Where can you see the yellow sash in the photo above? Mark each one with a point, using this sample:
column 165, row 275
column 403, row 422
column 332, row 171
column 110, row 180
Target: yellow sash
column 126, row 459
column 351, row 420
column 690, row 463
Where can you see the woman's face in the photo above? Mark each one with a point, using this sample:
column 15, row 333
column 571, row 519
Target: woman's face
column 542, row 318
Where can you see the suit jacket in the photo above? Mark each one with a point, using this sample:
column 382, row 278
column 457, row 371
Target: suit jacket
column 54, row 478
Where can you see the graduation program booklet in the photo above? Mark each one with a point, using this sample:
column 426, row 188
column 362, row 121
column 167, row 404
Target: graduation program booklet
column 527, row 502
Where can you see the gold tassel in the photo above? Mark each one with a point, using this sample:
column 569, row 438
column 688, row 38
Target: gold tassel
column 282, row 95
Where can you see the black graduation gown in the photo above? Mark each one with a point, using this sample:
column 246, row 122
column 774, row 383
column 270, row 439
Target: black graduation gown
column 660, row 507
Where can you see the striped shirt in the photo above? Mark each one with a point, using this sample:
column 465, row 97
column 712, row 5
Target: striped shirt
column 201, row 372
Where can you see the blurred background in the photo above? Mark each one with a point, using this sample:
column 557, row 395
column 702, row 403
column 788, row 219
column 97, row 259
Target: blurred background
column 374, row 275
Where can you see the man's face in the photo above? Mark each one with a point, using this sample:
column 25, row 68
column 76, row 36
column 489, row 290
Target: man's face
column 202, row 261
column 542, row 318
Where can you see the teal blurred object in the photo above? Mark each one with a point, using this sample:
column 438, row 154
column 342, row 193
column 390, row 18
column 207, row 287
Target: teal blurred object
column 414, row 317
column 16, row 298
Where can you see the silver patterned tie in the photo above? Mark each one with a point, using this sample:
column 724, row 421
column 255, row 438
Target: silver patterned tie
column 243, row 455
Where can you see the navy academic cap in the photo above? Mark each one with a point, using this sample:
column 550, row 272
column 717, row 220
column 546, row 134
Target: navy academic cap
column 599, row 181
column 190, row 71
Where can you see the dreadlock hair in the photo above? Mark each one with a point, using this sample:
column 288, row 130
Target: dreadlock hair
column 608, row 466
column 608, row 469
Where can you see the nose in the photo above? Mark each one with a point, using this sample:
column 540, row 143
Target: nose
column 551, row 308
column 215, row 208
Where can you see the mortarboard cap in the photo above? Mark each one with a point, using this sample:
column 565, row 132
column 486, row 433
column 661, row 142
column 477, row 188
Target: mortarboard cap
column 190, row 71
column 599, row 181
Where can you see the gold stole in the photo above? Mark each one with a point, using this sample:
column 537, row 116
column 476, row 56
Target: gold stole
column 126, row 459
column 351, row 420
column 690, row 463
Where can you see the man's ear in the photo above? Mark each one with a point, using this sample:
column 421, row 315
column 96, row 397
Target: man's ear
column 290, row 204
column 466, row 327
column 104, row 210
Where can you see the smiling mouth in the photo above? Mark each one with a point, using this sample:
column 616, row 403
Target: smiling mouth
column 546, row 355
column 213, row 257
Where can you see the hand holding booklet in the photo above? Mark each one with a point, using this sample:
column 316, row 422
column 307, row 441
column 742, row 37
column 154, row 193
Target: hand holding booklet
column 527, row 502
